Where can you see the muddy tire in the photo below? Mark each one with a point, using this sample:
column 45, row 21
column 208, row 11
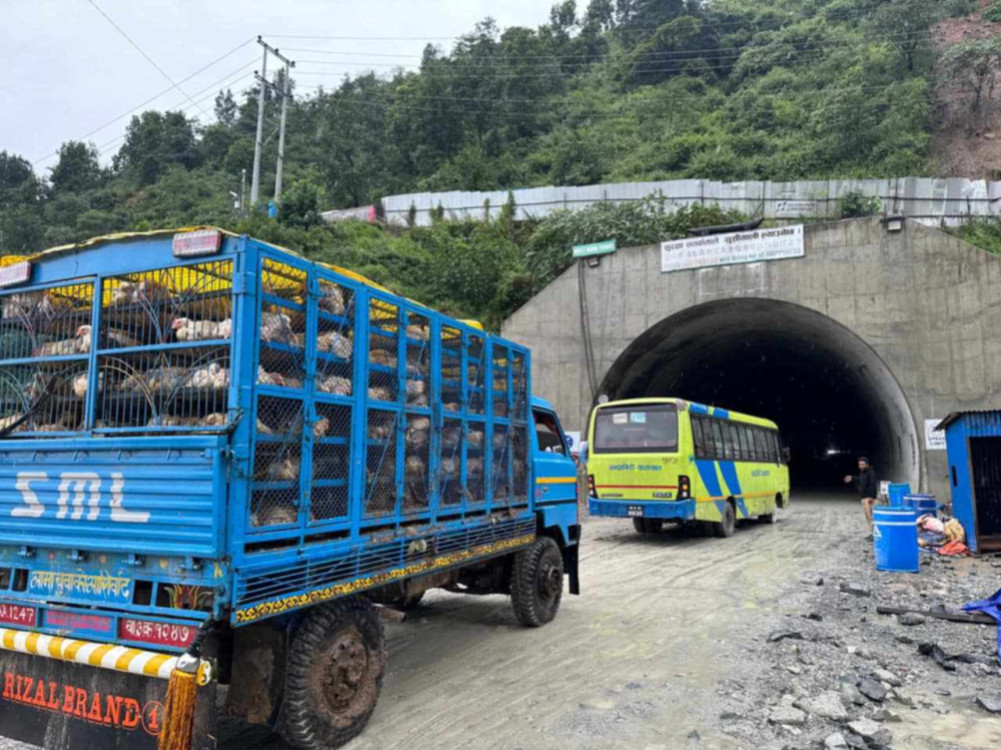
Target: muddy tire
column 537, row 582
column 728, row 525
column 336, row 663
column 647, row 525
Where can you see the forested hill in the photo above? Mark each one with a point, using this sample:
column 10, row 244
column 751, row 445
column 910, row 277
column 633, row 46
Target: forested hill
column 607, row 90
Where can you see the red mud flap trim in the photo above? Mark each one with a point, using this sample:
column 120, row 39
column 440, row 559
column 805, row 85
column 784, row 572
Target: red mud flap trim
column 63, row 705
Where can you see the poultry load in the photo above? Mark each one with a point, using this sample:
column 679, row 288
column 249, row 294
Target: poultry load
column 276, row 328
column 336, row 343
column 331, row 299
column 187, row 329
column 128, row 292
column 333, row 384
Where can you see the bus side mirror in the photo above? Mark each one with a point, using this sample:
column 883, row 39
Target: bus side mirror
column 786, row 453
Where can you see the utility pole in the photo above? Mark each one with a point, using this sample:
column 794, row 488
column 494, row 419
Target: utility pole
column 286, row 95
column 243, row 191
column 255, row 182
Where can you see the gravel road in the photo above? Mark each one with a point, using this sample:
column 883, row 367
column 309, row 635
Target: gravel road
column 668, row 648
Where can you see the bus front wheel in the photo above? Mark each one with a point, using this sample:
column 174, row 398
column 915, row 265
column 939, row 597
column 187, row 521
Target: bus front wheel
column 726, row 527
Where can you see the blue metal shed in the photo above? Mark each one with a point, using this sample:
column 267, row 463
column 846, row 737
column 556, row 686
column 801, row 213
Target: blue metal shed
column 973, row 440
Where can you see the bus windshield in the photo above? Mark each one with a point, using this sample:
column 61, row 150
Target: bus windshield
column 645, row 428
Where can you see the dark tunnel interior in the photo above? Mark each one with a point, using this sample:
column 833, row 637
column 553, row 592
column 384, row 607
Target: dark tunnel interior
column 831, row 395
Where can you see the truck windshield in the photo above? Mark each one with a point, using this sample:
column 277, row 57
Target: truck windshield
column 651, row 428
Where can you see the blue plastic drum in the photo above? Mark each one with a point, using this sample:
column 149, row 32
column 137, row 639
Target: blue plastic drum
column 895, row 539
column 923, row 504
column 897, row 492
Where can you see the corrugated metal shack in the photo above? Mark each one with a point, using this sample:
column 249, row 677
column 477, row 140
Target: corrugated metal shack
column 973, row 440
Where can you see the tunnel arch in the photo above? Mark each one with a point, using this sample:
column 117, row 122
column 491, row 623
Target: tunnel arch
column 833, row 397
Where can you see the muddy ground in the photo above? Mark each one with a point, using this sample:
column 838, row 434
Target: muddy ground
column 668, row 647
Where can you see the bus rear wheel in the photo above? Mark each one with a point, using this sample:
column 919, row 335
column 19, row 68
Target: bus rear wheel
column 648, row 525
column 726, row 527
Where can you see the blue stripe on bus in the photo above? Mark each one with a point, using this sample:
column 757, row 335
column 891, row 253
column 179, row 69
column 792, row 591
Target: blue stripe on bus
column 699, row 408
column 707, row 472
column 721, row 413
column 729, row 471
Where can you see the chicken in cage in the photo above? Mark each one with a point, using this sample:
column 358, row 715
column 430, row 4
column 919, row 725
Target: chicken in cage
column 475, row 439
column 215, row 419
column 275, row 514
column 331, row 299
column 283, row 470
column 273, row 378
column 333, row 384
column 383, row 358
column 380, row 393
column 146, row 291
column 66, row 422
column 452, row 406
column 213, row 376
column 112, row 337
column 336, row 343
column 322, row 428
column 187, row 329
column 276, row 328
column 81, row 381
column 418, row 332
column 380, row 431
column 418, row 433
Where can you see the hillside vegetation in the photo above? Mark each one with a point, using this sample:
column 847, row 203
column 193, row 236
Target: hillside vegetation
column 607, row 90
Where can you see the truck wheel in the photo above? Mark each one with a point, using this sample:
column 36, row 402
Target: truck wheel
column 335, row 667
column 537, row 582
column 726, row 527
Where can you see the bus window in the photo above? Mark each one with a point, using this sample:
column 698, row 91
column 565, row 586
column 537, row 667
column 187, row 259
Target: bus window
column 701, row 447
column 776, row 448
column 651, row 428
column 732, row 443
column 548, row 432
column 746, row 452
column 717, row 438
column 760, row 445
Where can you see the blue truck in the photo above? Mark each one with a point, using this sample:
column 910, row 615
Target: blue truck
column 219, row 462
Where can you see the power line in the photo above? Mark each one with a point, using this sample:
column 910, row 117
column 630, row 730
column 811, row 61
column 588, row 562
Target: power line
column 153, row 98
column 140, row 50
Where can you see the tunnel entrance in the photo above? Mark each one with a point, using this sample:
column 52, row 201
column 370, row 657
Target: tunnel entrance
column 831, row 395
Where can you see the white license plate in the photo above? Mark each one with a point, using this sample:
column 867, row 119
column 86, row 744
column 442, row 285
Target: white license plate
column 635, row 510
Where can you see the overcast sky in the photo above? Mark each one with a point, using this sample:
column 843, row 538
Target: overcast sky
column 67, row 71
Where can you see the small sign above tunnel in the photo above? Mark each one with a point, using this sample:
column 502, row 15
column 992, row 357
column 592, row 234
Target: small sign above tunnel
column 594, row 248
column 735, row 247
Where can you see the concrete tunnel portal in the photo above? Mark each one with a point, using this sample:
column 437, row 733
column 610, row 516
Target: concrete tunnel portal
column 831, row 395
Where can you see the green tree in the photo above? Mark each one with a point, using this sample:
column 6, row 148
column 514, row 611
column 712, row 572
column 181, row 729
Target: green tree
column 153, row 142
column 77, row 169
column 974, row 65
column 225, row 108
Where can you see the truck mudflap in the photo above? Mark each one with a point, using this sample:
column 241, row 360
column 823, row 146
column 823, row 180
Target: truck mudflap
column 68, row 694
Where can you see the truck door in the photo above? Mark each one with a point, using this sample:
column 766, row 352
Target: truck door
column 555, row 471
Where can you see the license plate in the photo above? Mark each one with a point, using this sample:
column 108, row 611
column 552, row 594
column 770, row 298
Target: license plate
column 635, row 510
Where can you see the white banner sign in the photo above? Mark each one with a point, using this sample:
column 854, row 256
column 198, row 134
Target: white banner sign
column 726, row 249
column 794, row 209
column 934, row 439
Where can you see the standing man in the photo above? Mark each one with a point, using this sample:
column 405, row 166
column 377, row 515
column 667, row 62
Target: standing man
column 867, row 486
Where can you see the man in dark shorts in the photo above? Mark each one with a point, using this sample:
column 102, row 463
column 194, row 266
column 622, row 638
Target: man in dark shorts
column 867, row 486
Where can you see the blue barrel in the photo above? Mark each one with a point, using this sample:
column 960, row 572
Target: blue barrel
column 923, row 504
column 895, row 539
column 897, row 492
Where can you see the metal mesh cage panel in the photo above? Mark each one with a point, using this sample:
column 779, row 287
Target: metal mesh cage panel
column 476, row 368
column 500, row 384
column 417, row 470
column 49, row 332
column 331, row 462
column 450, row 463
column 381, row 463
column 475, row 470
column 383, row 352
column 335, row 339
column 418, row 360
column 520, row 463
column 277, row 462
column 501, row 469
column 519, row 383
column 451, row 369
column 282, row 325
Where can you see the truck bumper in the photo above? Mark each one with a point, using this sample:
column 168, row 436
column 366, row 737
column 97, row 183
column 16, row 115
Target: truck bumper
column 68, row 694
column 669, row 510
